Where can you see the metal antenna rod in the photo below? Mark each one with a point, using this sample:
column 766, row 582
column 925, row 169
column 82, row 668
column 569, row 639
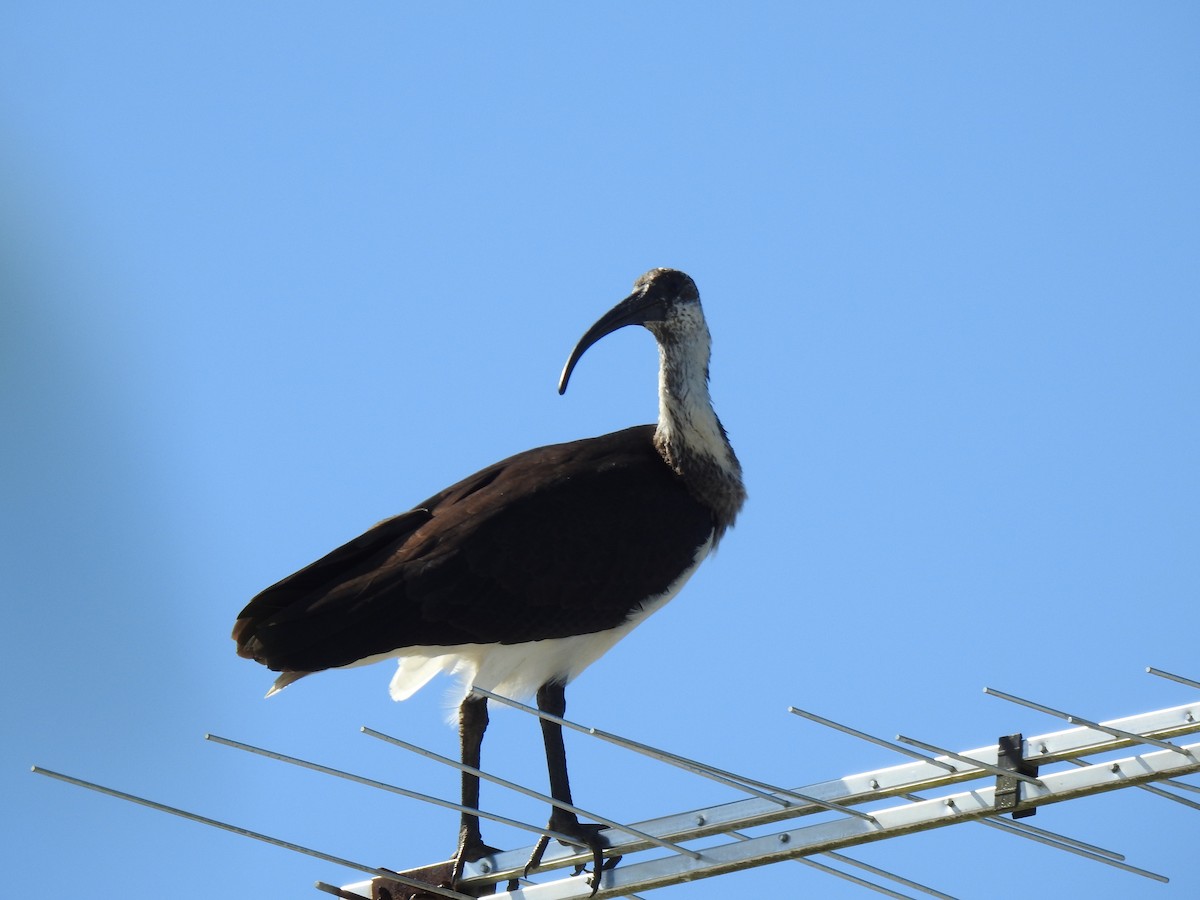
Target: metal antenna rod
column 1128, row 735
column 1051, row 837
column 1059, row 843
column 720, row 775
column 853, row 879
column 266, row 839
column 867, row 867
column 1157, row 791
column 854, row 732
column 905, row 818
column 1167, row 795
column 529, row 792
column 1041, row 835
column 1087, row 723
column 1180, row 785
column 1161, row 674
column 890, row 781
column 384, row 786
column 988, row 767
column 730, row 779
column 875, row 870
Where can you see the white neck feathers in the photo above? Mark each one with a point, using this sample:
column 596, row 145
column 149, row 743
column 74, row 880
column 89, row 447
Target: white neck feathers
column 689, row 434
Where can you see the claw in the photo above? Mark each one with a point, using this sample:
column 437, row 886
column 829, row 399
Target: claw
column 590, row 838
column 539, row 850
column 468, row 852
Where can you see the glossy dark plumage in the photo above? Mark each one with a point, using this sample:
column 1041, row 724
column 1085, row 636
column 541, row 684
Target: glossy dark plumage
column 521, row 551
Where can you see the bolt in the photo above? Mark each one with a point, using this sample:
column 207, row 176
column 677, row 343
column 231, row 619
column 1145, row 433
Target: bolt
column 874, row 784
column 700, row 820
column 784, row 838
column 1116, row 767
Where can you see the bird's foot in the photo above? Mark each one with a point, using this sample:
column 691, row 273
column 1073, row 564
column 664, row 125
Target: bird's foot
column 588, row 837
column 469, row 850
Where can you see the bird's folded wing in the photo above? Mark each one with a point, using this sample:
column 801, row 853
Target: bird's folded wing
column 558, row 541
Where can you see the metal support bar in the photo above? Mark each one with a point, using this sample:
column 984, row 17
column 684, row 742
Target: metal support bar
column 845, row 832
column 1158, row 790
column 875, row 785
column 878, row 784
column 866, row 867
column 1062, row 842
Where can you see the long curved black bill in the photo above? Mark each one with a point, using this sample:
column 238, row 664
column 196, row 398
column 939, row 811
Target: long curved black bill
column 638, row 308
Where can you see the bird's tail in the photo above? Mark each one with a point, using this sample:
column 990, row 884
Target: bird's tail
column 284, row 680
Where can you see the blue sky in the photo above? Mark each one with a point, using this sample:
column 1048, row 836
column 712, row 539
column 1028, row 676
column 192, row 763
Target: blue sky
column 271, row 272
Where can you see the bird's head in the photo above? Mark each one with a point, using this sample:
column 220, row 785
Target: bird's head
column 665, row 301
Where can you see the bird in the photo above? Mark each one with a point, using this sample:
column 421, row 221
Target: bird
column 519, row 577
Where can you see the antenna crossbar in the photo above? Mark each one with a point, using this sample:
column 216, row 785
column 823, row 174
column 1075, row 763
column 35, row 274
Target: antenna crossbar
column 878, row 784
column 818, row 818
column 847, row 831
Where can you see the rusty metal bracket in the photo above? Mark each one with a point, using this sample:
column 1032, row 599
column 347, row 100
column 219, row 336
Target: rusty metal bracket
column 439, row 875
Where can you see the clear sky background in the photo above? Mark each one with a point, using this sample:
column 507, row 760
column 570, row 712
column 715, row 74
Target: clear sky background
column 274, row 271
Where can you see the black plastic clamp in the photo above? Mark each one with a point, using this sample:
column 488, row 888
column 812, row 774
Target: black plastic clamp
column 1008, row 789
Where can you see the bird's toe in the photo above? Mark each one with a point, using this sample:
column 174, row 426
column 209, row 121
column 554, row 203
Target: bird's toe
column 589, row 837
column 468, row 852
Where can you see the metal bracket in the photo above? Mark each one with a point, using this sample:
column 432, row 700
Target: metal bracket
column 440, row 874
column 1008, row 788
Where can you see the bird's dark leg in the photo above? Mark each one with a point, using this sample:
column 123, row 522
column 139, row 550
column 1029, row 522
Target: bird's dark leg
column 552, row 699
column 472, row 722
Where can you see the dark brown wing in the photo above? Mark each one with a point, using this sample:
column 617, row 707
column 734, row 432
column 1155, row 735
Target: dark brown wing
column 562, row 540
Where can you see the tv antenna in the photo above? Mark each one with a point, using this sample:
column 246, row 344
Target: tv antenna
column 997, row 786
